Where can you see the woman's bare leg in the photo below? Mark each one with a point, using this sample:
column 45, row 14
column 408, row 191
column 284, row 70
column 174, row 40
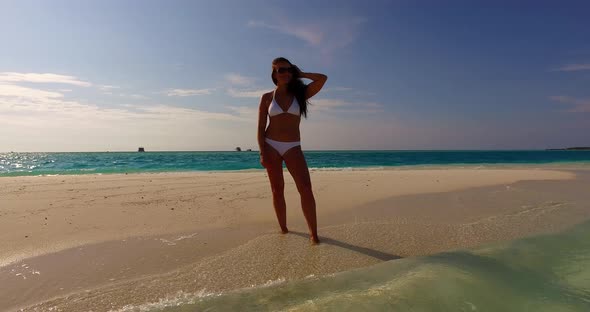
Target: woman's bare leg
column 277, row 185
column 297, row 166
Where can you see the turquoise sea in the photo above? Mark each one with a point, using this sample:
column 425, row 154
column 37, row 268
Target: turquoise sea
column 19, row 164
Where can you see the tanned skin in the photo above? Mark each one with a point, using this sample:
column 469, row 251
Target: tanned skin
column 285, row 128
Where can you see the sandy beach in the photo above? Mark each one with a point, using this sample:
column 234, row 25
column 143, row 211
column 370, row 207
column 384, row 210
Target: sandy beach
column 107, row 242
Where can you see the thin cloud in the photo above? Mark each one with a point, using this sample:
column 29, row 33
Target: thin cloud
column 178, row 113
column 136, row 96
column 42, row 78
column 187, row 92
column 107, row 88
column 8, row 90
column 246, row 85
column 302, row 31
column 240, row 80
column 133, row 96
column 327, row 34
column 245, row 111
column 574, row 67
column 25, row 100
column 576, row 105
column 328, row 104
column 336, row 105
column 337, row 89
column 351, row 91
column 246, row 93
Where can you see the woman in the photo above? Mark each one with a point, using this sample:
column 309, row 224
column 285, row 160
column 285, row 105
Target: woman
column 280, row 141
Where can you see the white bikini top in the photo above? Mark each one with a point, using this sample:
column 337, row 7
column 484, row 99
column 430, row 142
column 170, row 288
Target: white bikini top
column 274, row 108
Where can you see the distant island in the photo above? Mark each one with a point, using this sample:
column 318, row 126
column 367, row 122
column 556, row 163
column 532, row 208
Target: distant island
column 576, row 148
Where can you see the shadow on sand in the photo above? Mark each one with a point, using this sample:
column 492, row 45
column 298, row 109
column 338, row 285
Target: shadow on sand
column 363, row 250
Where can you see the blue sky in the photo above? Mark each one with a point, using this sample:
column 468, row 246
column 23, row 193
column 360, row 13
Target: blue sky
column 188, row 75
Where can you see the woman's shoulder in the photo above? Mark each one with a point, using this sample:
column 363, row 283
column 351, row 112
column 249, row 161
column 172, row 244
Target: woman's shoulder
column 268, row 94
column 266, row 97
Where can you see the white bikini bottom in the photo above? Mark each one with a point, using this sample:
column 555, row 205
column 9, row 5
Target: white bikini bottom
column 281, row 147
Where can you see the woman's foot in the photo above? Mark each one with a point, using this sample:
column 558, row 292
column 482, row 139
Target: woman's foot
column 284, row 230
column 314, row 240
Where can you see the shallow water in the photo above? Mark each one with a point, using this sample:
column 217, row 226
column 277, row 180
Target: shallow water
column 544, row 273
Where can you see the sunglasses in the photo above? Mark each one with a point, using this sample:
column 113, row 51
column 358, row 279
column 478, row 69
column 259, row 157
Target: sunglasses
column 282, row 70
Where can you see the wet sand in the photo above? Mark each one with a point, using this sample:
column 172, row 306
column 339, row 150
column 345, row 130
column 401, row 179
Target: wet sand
column 116, row 240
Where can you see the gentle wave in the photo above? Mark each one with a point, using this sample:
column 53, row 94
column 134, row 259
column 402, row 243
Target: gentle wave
column 544, row 273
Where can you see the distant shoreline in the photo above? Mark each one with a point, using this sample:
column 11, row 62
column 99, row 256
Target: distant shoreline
column 577, row 148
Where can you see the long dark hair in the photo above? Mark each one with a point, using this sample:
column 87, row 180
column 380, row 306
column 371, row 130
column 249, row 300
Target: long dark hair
column 295, row 86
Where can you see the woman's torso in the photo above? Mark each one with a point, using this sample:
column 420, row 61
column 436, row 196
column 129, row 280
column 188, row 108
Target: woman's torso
column 284, row 125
